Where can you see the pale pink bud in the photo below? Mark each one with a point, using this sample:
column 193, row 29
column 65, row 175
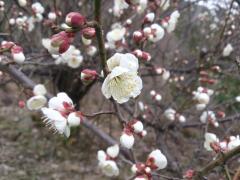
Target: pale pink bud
column 87, row 76
column 156, row 160
column 60, row 42
column 21, row 104
column 75, row 19
column 88, row 33
column 137, row 36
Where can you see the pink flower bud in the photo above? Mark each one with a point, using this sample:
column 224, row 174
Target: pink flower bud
column 88, row 76
column 21, row 104
column 146, row 56
column 138, row 36
column 75, row 19
column 88, row 33
column 60, row 42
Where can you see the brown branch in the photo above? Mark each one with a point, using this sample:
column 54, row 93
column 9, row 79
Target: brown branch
column 98, row 113
column 220, row 160
column 100, row 36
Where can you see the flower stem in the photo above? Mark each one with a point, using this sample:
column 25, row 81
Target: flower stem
column 99, row 34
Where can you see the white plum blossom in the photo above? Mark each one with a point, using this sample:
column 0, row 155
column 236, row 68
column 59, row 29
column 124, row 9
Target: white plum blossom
column 157, row 159
column 157, row 33
column 202, row 96
column 109, row 168
column 122, row 82
column 72, row 57
column 227, row 50
column 234, row 142
column 61, row 115
column 209, row 116
column 142, row 5
column 39, row 89
column 22, row 3
column 52, row 16
column 127, row 140
column 119, row 6
column 115, row 37
column 170, row 114
column 237, row 98
column 210, row 138
column 36, row 102
column 171, row 23
column 106, row 161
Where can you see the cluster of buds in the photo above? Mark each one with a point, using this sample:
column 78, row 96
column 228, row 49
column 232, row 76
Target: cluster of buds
column 107, row 161
column 155, row 161
column 204, row 78
column 212, row 143
column 172, row 115
column 87, row 35
column 210, row 117
column 61, row 114
column 37, row 101
column 145, row 56
column 133, row 127
column 88, row 76
column 16, row 51
column 202, row 96
column 60, row 42
column 153, row 33
column 155, row 96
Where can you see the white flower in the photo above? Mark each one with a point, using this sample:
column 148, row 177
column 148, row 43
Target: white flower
column 173, row 21
column 18, row 57
column 138, row 127
column 56, row 121
column 119, row 6
column 38, row 8
column 209, row 116
column 227, row 50
column 22, row 3
column 52, row 16
column 61, row 115
column 74, row 119
column 75, row 61
column 234, row 142
column 202, row 98
column 127, row 140
column 159, row 160
column 36, row 102
column 113, row 151
column 91, row 50
column 182, row 119
column 115, row 35
column 200, row 107
column 109, row 168
column 39, row 89
column 209, row 139
column 237, row 98
column 170, row 114
column 101, row 156
column 47, row 44
column 150, row 17
column 165, row 4
column 142, row 6
column 123, row 82
column 157, row 33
